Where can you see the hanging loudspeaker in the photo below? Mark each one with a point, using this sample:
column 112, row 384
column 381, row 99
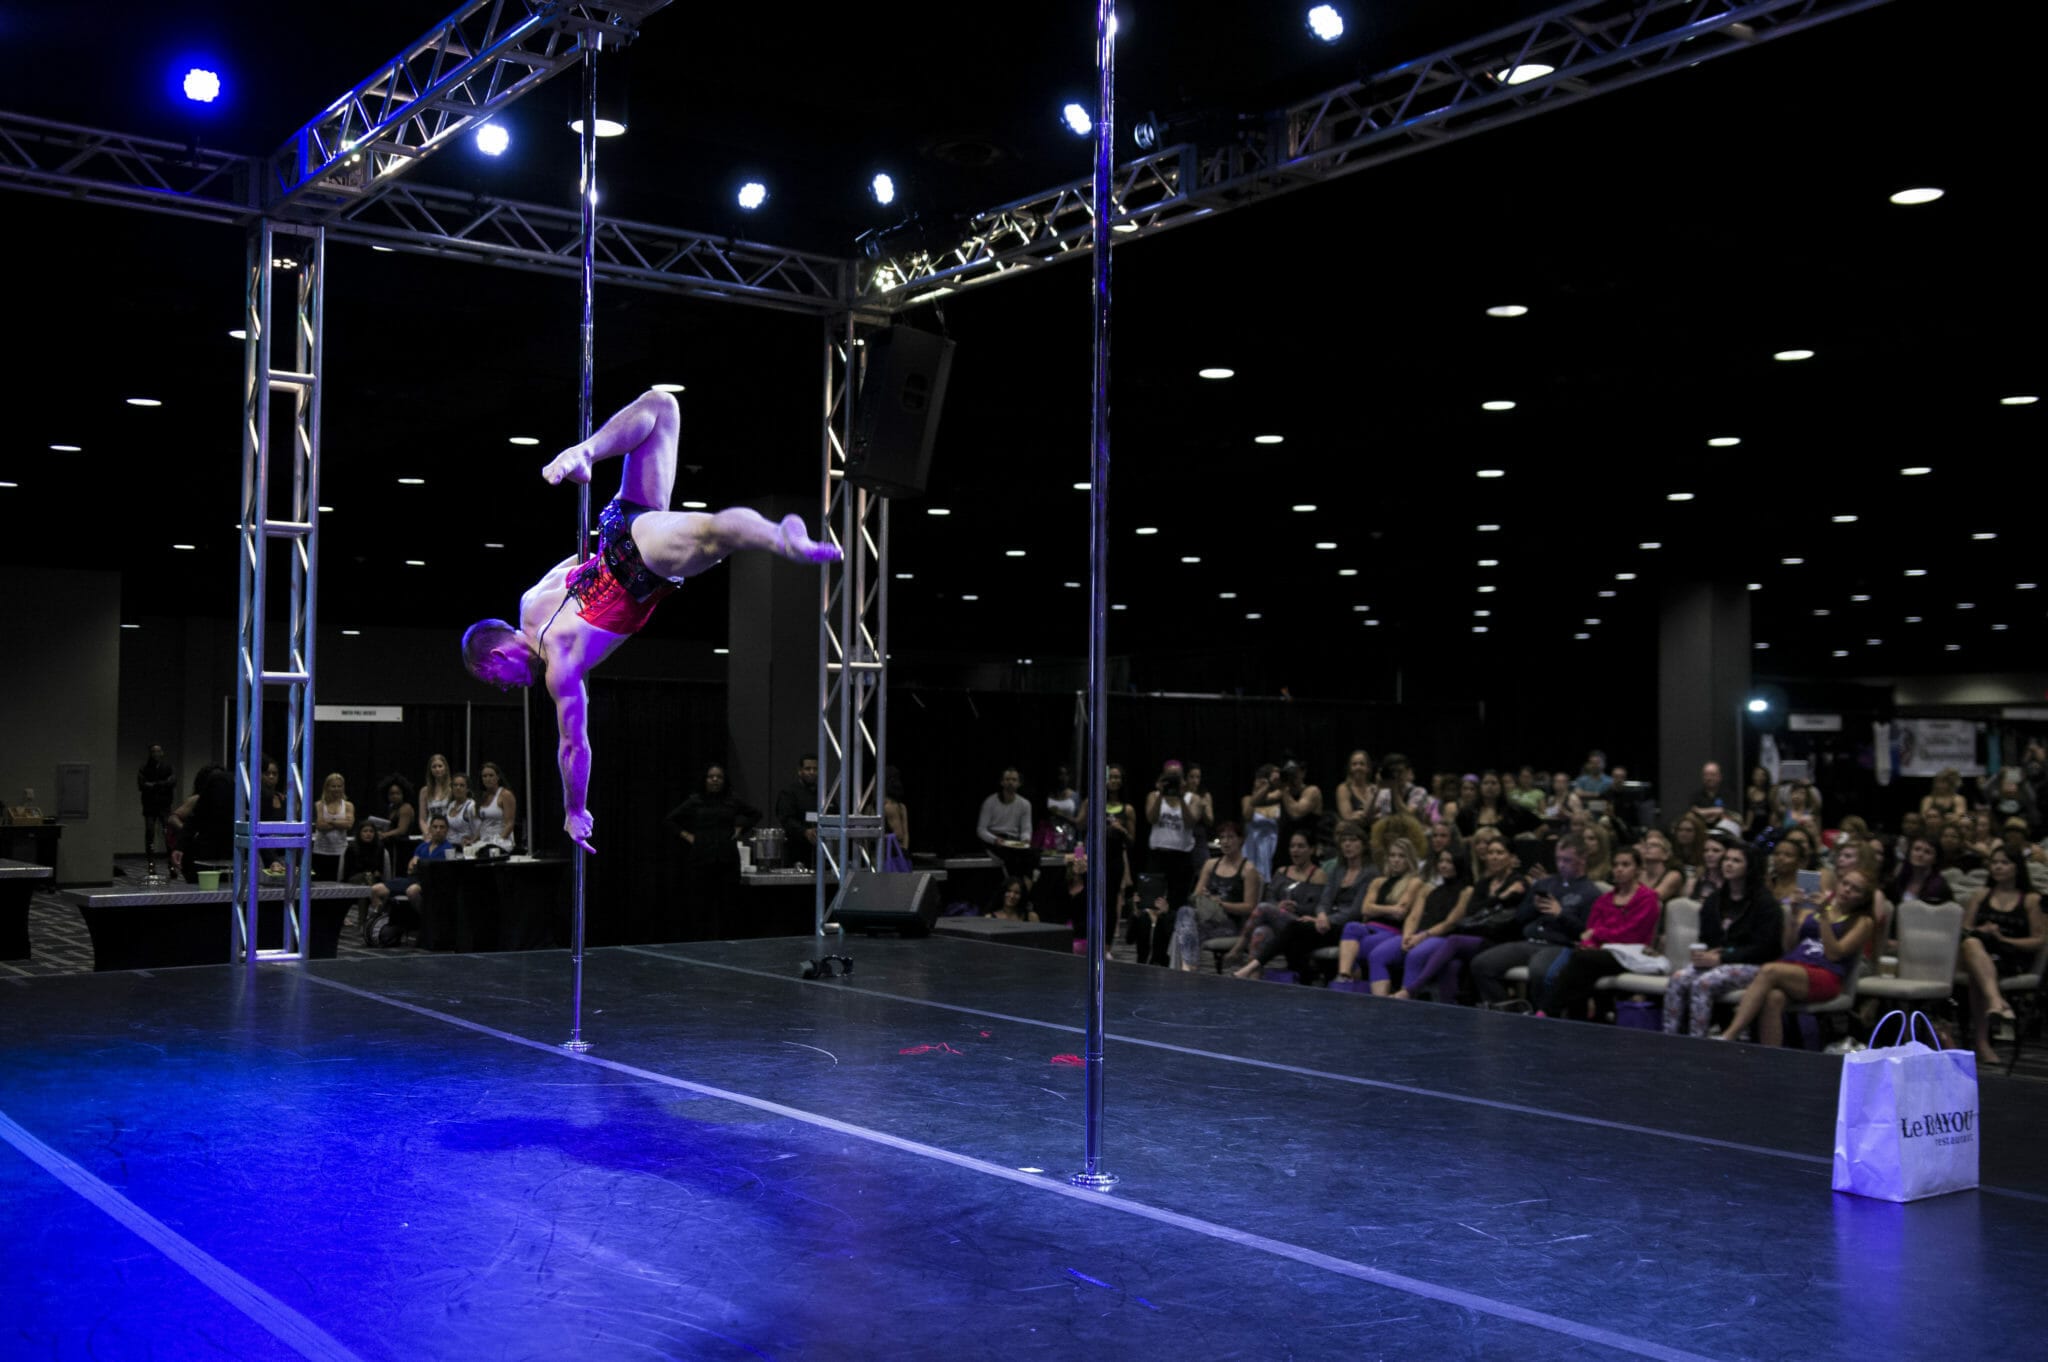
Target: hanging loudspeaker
column 896, row 415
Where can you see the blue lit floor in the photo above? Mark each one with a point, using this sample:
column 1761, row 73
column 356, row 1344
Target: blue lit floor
column 193, row 1164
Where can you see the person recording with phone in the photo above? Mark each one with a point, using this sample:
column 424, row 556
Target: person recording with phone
column 1170, row 809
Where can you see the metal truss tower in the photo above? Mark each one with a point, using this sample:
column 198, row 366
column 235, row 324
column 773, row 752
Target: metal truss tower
column 299, row 530
column 853, row 640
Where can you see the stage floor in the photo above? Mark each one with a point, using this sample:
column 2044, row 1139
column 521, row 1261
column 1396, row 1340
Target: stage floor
column 392, row 1159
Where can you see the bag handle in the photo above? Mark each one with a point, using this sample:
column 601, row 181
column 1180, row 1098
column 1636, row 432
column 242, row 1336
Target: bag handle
column 1933, row 1039
column 1908, row 1029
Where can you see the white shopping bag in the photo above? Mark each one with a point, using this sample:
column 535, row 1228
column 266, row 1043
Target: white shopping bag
column 1906, row 1125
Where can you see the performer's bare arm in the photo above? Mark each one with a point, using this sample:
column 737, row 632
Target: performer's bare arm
column 572, row 754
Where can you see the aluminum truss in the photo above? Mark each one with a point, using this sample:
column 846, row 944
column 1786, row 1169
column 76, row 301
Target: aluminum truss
column 262, row 381
column 95, row 166
column 853, row 641
column 469, row 66
column 1550, row 61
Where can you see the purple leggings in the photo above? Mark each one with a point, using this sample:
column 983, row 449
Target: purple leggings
column 1432, row 957
column 1371, row 936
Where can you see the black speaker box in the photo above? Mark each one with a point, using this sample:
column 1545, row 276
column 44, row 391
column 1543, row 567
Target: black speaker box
column 896, row 415
column 900, row 901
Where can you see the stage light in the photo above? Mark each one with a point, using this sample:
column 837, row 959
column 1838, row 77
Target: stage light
column 606, row 127
column 1254, row 615
column 1845, row 520
column 1492, row 473
column 1821, row 613
column 523, row 440
column 883, row 188
column 1761, row 646
column 1478, row 628
column 201, row 86
column 1489, row 562
column 1084, row 487
column 1486, row 590
column 186, row 548
column 1908, row 197
column 937, row 510
column 1841, row 652
column 1917, row 471
column 326, row 510
column 1148, row 529
column 1499, row 405
column 1678, row 496
column 1759, row 706
column 1983, row 534
column 493, row 546
column 9, row 484
column 1791, row 355
column 238, row 334
column 1189, row 558
column 1488, row 529
column 1347, row 572
column 1226, row 595
column 1724, row 442
column 666, row 387
column 2017, row 401
column 1327, row 546
column 492, row 139
column 1916, row 572
column 1507, row 310
column 1304, row 507
column 1792, row 562
column 1859, row 598
column 68, row 449
column 1624, row 576
column 1216, row 373
column 696, row 505
column 1650, row 544
column 1077, row 120
column 1521, row 75
column 1267, row 439
column 144, row 402
column 752, row 195
column 905, row 576
column 1605, row 595
column 412, row 482
column 1013, row 553
column 415, row 562
column 1326, row 23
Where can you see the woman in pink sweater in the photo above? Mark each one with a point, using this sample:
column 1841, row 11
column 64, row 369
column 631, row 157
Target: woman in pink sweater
column 1625, row 915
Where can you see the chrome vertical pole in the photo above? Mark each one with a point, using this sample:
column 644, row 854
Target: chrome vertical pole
column 587, row 196
column 1092, row 1174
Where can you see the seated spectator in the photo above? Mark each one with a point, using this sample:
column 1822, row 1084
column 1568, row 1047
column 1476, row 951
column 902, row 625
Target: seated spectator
column 1425, row 946
column 1062, row 812
column 437, row 789
column 1688, row 849
column 1443, row 837
column 1661, row 873
column 386, row 925
column 1741, row 930
column 1946, row 798
column 1498, row 891
column 1403, row 827
column 2012, row 797
column 1295, row 888
column 1527, row 794
column 1012, row 903
column 204, row 825
column 1593, row 782
column 1004, row 827
column 1358, row 794
column 1626, row 915
column 1490, row 807
column 1757, row 806
column 1384, row 906
column 395, row 824
column 1599, row 848
column 334, row 817
column 1261, row 810
column 271, row 808
column 1551, row 918
column 1398, row 789
column 460, row 812
column 1955, row 851
column 497, row 812
column 1983, row 835
column 1851, row 854
column 1442, row 804
column 2013, row 837
column 1227, row 889
column 1911, row 825
column 1338, row 911
column 1920, row 877
column 2001, row 934
column 1562, row 801
column 1781, row 881
column 1801, row 809
column 1713, row 801
column 1821, row 947
column 364, row 862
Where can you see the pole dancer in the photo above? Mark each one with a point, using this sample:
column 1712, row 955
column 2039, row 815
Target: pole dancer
column 645, row 552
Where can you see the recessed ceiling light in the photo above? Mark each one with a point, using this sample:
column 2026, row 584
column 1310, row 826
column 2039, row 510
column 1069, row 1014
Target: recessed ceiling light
column 2023, row 586
column 2017, row 401
column 970, row 598
column 1582, row 636
column 1724, row 442
column 187, row 548
column 1761, row 646
column 1119, row 607
column 1997, row 628
column 1189, row 558
column 906, row 576
column 1226, row 595
column 1492, row 472
column 1678, row 496
column 1253, row 615
column 1326, row 545
column 1072, row 586
column 1488, row 529
column 1624, row 576
column 1498, row 404
column 1489, row 562
column 1966, row 605
column 68, row 449
column 1267, row 439
column 721, row 652
column 1845, row 520
column 415, row 562
column 1527, row 71
column 1912, row 619
column 1347, row 572
column 1606, row 594
column 494, row 546
column 1485, row 590
column 1873, row 643
column 412, row 482
column 238, row 334
column 9, row 484
column 1592, row 622
column 1148, row 529
column 131, row 626
column 1084, row 487
column 1916, row 471
column 1792, row 562
column 1756, row 586
column 1841, row 652
column 1304, row 507
column 1013, row 553
column 1651, row 544
column 1216, row 373
column 1372, row 624
column 1859, row 598
column 696, row 505
column 1507, row 310
column 1909, row 197
column 144, row 402
column 667, row 387
column 351, row 633
column 522, row 439
column 1476, row 614
column 1983, row 534
column 326, row 510
column 1916, row 572
column 937, row 510
column 1954, row 647
column 1820, row 612
column 1790, row 355
column 1478, row 628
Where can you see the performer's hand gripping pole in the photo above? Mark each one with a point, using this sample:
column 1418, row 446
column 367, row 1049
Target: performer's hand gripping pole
column 586, row 195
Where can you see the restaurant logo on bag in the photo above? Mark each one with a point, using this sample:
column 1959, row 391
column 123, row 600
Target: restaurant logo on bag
column 1947, row 1127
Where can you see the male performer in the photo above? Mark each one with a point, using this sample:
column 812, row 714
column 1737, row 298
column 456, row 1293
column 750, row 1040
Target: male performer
column 645, row 552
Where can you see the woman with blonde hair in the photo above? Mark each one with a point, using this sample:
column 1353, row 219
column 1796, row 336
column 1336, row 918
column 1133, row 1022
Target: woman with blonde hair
column 437, row 788
column 1947, row 796
column 333, row 819
column 1386, row 904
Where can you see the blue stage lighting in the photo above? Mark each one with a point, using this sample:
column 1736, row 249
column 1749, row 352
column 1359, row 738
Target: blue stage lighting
column 753, row 194
column 1077, row 120
column 1326, row 23
column 491, row 139
column 883, row 188
column 201, row 86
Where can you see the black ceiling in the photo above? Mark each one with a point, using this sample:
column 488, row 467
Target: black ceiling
column 1667, row 239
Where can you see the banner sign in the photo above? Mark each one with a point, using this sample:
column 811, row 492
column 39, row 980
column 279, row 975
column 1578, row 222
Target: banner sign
column 1927, row 747
column 359, row 714
column 1815, row 723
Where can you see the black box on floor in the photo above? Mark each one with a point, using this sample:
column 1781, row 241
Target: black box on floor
column 900, row 901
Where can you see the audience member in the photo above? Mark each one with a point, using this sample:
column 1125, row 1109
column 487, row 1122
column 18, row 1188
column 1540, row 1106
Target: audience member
column 497, row 813
column 436, row 789
column 1599, row 844
column 895, row 813
column 1492, row 808
column 1120, row 824
column 395, row 824
column 204, row 824
column 1527, row 795
column 1398, row 789
column 364, row 861
column 1552, row 916
column 1665, row 877
column 1170, row 845
column 1228, row 888
column 1954, row 851
column 461, row 812
column 386, row 924
column 1385, row 905
column 1004, row 827
column 2001, row 936
column 1821, row 947
column 1301, row 804
column 157, row 783
column 1012, row 903
column 1338, row 911
column 1593, row 782
column 1390, row 828
column 1946, row 798
column 1357, row 795
column 1424, row 946
column 1562, row 801
column 798, row 800
column 1713, row 801
column 1295, row 887
column 1741, row 930
column 1624, row 917
column 334, row 817
column 711, row 822
column 1062, row 811
column 1920, row 877
column 1201, row 809
column 1442, row 838
column 1261, row 810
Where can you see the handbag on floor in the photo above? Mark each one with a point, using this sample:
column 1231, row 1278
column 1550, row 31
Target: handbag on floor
column 1906, row 1123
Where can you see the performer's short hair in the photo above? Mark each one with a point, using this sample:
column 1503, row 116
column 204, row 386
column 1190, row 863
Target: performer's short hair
column 480, row 639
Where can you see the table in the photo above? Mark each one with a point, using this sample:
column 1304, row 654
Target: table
column 39, row 838
column 18, row 881
column 159, row 926
column 505, row 903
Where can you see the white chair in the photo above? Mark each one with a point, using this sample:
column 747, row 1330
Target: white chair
column 1681, row 927
column 1929, row 936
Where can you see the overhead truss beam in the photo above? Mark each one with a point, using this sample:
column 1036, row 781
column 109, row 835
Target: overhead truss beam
column 1589, row 46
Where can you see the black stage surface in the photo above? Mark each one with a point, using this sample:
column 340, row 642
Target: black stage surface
column 391, row 1159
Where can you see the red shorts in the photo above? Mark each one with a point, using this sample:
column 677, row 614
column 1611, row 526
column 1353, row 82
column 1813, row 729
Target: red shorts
column 1822, row 985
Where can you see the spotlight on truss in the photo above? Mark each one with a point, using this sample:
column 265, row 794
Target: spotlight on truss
column 1077, row 120
column 1326, row 23
column 752, row 195
column 883, row 188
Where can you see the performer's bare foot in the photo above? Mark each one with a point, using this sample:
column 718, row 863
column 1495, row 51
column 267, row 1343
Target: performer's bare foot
column 571, row 465
column 794, row 542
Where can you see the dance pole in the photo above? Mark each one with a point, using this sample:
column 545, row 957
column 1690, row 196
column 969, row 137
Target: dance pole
column 1099, row 870
column 587, row 194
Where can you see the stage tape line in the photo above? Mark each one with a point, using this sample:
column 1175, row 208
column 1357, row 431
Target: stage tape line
column 1413, row 1286
column 279, row 1320
column 1826, row 1161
